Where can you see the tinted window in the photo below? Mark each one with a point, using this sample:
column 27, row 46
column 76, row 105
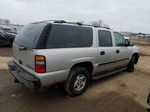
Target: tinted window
column 119, row 39
column 29, row 35
column 105, row 38
column 65, row 36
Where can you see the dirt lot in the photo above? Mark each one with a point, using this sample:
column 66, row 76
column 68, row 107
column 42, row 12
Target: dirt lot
column 123, row 92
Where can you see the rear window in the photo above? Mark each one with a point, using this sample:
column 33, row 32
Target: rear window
column 29, row 35
column 66, row 36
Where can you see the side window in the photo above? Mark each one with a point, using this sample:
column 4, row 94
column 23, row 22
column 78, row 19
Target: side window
column 105, row 38
column 65, row 36
column 119, row 39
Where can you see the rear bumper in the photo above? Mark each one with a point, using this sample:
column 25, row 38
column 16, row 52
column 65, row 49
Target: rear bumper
column 23, row 76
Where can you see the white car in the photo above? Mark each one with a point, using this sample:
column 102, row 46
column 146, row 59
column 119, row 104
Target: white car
column 51, row 52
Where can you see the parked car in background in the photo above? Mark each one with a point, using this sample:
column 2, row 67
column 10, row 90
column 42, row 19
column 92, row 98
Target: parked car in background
column 48, row 53
column 7, row 35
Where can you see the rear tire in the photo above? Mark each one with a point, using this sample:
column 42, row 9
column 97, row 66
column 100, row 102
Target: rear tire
column 130, row 67
column 77, row 82
column 148, row 99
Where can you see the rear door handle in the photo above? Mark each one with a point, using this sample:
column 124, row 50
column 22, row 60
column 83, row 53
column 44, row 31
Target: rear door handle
column 117, row 51
column 102, row 53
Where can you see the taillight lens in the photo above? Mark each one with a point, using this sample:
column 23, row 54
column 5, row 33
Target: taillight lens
column 40, row 64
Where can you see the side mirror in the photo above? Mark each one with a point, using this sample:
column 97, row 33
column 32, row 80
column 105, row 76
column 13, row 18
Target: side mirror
column 129, row 43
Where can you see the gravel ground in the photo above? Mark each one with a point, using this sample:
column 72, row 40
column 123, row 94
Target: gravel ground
column 123, row 92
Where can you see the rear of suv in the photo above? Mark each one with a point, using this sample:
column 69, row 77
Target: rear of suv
column 48, row 53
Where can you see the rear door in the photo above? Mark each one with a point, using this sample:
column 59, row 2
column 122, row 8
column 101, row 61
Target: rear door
column 25, row 45
column 106, row 51
column 24, row 58
column 122, row 52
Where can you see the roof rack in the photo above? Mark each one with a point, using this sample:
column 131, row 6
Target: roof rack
column 76, row 23
column 60, row 21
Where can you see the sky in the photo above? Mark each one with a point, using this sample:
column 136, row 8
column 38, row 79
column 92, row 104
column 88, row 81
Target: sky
column 120, row 15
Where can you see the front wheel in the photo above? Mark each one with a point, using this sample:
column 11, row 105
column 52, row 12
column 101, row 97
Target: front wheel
column 77, row 81
column 130, row 67
column 148, row 99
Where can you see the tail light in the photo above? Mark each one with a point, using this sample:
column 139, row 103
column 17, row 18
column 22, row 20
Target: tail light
column 40, row 64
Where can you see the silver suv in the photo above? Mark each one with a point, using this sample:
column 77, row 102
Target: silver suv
column 52, row 52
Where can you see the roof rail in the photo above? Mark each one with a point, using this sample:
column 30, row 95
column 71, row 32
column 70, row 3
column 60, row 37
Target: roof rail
column 60, row 21
column 76, row 23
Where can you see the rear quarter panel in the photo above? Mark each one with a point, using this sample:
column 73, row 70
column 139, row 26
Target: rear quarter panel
column 61, row 59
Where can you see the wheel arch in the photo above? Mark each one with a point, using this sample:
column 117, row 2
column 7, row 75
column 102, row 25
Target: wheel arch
column 136, row 57
column 87, row 64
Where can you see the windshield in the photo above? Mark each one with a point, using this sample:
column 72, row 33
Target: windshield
column 29, row 35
